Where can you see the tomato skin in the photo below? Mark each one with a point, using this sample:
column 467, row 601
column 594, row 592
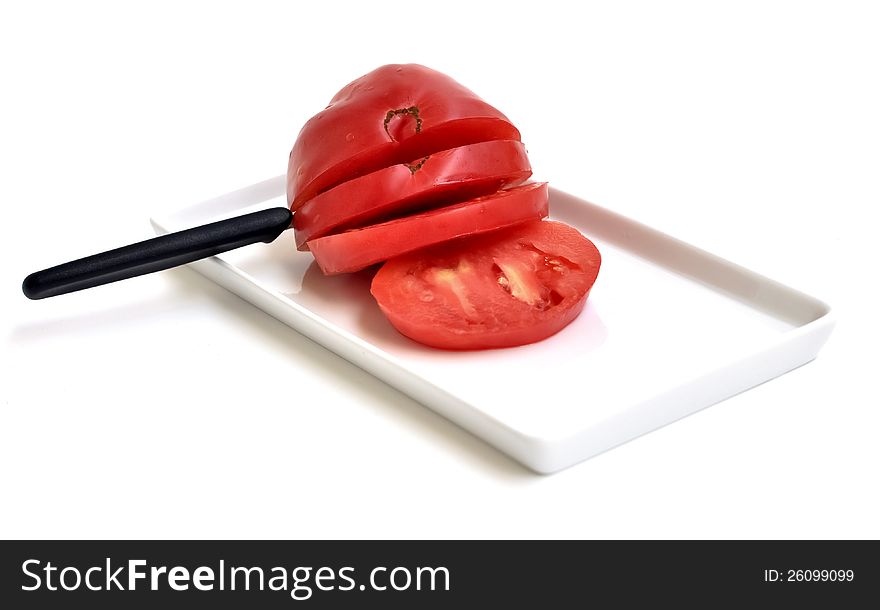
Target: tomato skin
column 449, row 176
column 357, row 249
column 367, row 127
column 472, row 308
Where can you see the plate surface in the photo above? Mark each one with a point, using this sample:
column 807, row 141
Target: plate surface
column 668, row 330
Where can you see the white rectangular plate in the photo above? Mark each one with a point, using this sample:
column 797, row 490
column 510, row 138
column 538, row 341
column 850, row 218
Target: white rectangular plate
column 668, row 330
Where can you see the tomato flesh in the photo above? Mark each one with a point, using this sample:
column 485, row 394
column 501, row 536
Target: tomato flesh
column 395, row 114
column 445, row 177
column 406, row 166
column 509, row 287
column 360, row 248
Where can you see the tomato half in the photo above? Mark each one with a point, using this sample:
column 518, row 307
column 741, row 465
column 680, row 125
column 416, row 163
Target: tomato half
column 510, row 287
column 360, row 248
column 445, row 177
column 395, row 114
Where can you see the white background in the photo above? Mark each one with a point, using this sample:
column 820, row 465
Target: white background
column 167, row 407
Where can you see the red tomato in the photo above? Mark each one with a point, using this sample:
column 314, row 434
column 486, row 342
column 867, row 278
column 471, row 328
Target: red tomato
column 395, row 114
column 360, row 248
column 448, row 176
column 506, row 288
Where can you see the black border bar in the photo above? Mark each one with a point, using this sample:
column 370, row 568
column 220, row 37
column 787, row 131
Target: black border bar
column 515, row 574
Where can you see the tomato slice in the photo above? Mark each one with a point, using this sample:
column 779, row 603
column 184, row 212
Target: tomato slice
column 448, row 176
column 395, row 114
column 360, row 248
column 506, row 288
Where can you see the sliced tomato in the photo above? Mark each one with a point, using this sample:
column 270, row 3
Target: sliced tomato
column 395, row 114
column 360, row 248
column 445, row 177
column 506, row 288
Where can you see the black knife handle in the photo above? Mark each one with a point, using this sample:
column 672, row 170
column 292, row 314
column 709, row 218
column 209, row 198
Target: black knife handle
column 158, row 253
